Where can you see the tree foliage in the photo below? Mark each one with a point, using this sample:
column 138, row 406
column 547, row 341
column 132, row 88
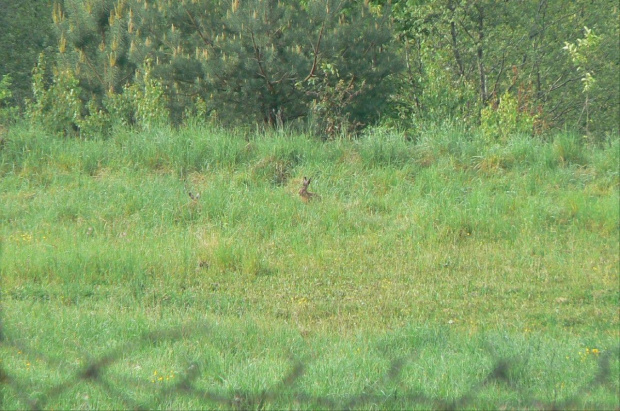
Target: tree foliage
column 26, row 30
column 464, row 56
column 93, row 42
column 260, row 61
column 523, row 66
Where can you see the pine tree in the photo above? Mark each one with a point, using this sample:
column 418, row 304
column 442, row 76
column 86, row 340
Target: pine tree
column 254, row 61
column 268, row 61
column 93, row 44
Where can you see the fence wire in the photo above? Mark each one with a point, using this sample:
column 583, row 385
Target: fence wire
column 285, row 391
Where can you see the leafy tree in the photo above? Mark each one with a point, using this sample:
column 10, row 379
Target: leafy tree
column 463, row 56
column 56, row 106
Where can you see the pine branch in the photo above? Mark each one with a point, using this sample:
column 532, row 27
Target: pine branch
column 315, row 53
column 257, row 56
column 205, row 40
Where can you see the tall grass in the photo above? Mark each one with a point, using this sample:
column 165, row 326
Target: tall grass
column 438, row 237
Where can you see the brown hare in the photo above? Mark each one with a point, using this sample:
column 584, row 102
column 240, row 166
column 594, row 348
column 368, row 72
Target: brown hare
column 304, row 193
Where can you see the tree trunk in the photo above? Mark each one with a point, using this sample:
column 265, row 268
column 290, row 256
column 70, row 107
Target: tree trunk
column 455, row 48
column 480, row 56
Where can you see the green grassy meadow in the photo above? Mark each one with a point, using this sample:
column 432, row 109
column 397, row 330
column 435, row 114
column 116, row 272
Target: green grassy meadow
column 438, row 271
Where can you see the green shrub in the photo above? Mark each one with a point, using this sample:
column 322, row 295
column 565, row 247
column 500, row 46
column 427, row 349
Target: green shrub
column 57, row 105
column 8, row 114
column 505, row 120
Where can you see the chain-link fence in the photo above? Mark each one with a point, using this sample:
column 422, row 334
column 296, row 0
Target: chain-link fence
column 387, row 393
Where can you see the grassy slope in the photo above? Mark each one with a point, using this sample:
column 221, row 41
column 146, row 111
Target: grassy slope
column 101, row 243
